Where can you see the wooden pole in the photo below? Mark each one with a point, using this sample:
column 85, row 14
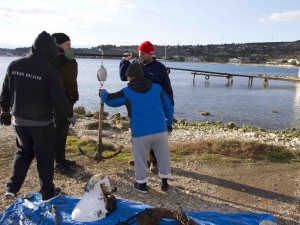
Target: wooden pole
column 100, row 129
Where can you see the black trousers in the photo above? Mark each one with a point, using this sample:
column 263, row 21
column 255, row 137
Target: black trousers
column 33, row 142
column 61, row 125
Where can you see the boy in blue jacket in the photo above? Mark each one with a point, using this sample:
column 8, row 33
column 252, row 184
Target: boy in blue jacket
column 151, row 114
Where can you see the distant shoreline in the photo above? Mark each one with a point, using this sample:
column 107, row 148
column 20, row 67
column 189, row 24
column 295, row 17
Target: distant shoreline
column 237, row 64
column 279, row 65
column 259, row 65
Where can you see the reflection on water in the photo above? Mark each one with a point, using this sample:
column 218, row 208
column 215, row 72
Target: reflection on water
column 237, row 103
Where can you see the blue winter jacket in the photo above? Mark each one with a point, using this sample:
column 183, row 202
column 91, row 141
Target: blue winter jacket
column 149, row 108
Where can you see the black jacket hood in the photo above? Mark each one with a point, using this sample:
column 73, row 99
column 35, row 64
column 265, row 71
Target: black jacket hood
column 44, row 46
column 141, row 85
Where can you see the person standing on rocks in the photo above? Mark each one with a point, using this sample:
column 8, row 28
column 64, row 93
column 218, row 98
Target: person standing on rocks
column 66, row 64
column 154, row 71
column 151, row 115
column 30, row 91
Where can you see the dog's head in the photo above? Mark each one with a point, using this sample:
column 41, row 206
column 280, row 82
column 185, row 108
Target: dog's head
column 104, row 184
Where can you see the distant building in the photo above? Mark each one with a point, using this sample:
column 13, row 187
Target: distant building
column 296, row 61
column 272, row 63
column 239, row 60
column 234, row 60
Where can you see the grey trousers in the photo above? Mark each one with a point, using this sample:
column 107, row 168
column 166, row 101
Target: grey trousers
column 140, row 149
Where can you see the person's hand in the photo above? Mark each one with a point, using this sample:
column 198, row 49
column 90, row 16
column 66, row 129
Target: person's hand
column 5, row 118
column 69, row 54
column 101, row 92
column 127, row 56
column 136, row 61
column 170, row 129
column 72, row 120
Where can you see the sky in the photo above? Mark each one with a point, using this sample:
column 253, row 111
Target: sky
column 90, row 23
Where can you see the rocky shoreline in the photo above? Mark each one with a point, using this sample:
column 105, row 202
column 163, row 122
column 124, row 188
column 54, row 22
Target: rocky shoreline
column 117, row 127
column 117, row 130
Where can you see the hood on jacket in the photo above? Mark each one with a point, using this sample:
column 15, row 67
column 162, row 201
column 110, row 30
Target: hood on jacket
column 44, row 46
column 140, row 84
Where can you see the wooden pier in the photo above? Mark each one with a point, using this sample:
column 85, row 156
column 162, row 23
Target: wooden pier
column 229, row 76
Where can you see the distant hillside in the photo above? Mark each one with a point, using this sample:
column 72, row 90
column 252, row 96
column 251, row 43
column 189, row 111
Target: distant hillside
column 249, row 52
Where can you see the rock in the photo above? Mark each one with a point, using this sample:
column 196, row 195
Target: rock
column 79, row 110
column 95, row 125
column 204, row 113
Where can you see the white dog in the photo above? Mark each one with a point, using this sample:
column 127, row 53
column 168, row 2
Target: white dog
column 92, row 206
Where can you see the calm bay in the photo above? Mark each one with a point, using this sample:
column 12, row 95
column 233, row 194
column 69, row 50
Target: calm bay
column 274, row 107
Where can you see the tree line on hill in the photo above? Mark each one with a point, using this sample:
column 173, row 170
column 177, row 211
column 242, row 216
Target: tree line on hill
column 249, row 52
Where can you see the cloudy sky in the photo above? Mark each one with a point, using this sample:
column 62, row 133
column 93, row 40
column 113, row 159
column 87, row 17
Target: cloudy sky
column 90, row 23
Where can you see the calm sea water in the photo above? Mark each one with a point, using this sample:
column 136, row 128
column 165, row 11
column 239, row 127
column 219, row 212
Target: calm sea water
column 237, row 103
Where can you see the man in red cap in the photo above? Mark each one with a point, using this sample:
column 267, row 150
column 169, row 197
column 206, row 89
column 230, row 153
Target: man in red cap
column 154, row 71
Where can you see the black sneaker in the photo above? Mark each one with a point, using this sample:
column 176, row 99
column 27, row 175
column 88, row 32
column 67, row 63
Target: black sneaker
column 141, row 187
column 54, row 195
column 68, row 162
column 10, row 196
column 63, row 169
column 164, row 184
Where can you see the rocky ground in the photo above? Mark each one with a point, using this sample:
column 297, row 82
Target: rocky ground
column 196, row 185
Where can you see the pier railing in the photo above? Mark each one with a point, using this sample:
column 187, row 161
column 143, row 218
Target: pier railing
column 229, row 76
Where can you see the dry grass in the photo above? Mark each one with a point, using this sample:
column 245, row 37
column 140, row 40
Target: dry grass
column 236, row 149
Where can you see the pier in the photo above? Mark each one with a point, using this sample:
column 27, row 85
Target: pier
column 229, row 76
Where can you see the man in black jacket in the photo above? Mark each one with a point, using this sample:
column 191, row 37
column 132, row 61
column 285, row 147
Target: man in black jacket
column 30, row 91
column 66, row 64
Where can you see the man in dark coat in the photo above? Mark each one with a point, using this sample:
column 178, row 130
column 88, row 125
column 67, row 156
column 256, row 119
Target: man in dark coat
column 30, row 91
column 66, row 64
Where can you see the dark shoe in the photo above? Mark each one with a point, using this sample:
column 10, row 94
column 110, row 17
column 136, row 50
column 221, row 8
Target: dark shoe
column 141, row 187
column 164, row 184
column 153, row 168
column 68, row 162
column 10, row 196
column 131, row 162
column 63, row 169
column 54, row 195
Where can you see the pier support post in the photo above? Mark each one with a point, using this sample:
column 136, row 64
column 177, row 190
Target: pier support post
column 265, row 82
column 229, row 80
column 250, row 81
column 194, row 77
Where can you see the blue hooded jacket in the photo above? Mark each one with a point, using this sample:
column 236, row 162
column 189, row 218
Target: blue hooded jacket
column 149, row 108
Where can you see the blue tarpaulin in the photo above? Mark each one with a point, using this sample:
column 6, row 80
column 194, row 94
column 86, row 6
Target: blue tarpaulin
column 34, row 211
